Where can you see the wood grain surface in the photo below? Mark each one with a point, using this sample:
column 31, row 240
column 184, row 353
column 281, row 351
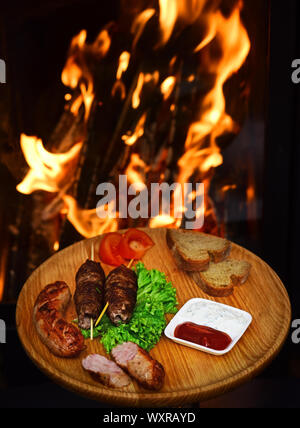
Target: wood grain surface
column 191, row 375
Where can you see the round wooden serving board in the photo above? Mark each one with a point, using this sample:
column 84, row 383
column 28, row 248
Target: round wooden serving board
column 191, row 375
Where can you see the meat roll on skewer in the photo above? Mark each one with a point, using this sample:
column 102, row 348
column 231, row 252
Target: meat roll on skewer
column 120, row 293
column 89, row 293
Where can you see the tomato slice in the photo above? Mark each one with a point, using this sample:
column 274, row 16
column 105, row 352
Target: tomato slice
column 108, row 250
column 134, row 244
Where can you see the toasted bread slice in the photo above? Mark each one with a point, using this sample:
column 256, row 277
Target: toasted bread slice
column 220, row 279
column 193, row 251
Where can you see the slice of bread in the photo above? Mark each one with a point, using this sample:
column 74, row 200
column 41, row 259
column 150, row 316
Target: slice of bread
column 220, row 278
column 193, row 251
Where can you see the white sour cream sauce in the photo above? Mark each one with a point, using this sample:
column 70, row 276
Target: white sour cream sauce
column 220, row 318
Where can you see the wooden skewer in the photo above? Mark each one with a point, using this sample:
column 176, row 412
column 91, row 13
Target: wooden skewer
column 92, row 324
column 130, row 263
column 92, row 329
column 101, row 315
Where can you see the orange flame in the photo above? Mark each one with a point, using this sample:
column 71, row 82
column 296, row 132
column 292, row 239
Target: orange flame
column 73, row 72
column 48, row 171
column 139, row 24
column 87, row 222
column 231, row 38
column 138, row 133
column 225, row 35
column 173, row 12
column 164, row 220
column 167, row 86
column 76, row 73
column 123, row 64
column 135, row 171
column 152, row 77
column 142, row 79
column 102, row 44
column 137, row 92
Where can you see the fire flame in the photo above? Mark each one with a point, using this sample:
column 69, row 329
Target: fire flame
column 87, row 222
column 139, row 24
column 76, row 73
column 201, row 150
column 123, row 64
column 177, row 12
column 164, row 220
column 136, row 95
column 48, row 171
column 225, row 35
column 167, row 86
column 134, row 171
column 138, row 132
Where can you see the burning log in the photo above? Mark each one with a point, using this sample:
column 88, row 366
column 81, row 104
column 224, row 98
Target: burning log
column 70, row 129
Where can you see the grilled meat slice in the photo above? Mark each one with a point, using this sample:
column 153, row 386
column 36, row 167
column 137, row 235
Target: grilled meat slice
column 120, row 292
column 105, row 371
column 62, row 338
column 89, row 292
column 140, row 365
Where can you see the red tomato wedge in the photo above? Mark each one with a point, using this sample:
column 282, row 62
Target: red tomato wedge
column 108, row 250
column 134, row 244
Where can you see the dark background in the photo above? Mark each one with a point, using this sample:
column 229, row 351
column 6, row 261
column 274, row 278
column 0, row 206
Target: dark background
column 35, row 38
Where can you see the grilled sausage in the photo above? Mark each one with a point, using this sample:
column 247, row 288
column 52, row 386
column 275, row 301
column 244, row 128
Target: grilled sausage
column 140, row 365
column 105, row 371
column 62, row 338
column 120, row 293
column 89, row 292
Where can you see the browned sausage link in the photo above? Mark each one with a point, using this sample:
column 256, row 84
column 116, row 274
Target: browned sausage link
column 89, row 292
column 120, row 293
column 62, row 338
column 140, row 365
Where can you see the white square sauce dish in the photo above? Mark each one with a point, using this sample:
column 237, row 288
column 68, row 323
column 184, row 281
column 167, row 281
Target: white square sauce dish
column 223, row 319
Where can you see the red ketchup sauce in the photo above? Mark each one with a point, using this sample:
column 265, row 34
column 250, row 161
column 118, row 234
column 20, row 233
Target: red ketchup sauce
column 202, row 335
